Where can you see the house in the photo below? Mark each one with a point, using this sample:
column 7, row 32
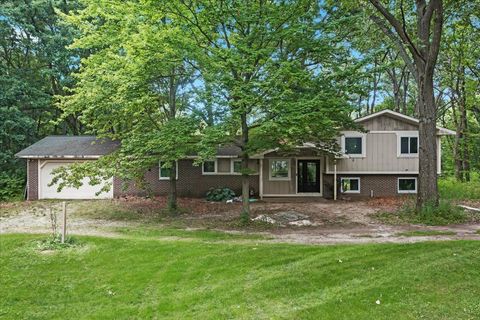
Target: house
column 382, row 161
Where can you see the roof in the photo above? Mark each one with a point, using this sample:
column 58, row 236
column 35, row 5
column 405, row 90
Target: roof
column 69, row 147
column 91, row 147
column 402, row 117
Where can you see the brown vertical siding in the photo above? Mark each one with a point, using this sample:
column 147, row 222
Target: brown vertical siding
column 32, row 179
column 382, row 185
column 190, row 183
column 386, row 123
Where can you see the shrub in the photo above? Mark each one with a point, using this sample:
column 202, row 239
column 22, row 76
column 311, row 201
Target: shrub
column 11, row 186
column 450, row 188
column 55, row 243
column 220, row 194
column 446, row 213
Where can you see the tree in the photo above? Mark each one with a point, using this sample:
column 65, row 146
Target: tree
column 457, row 81
column 34, row 66
column 419, row 49
column 134, row 88
column 279, row 75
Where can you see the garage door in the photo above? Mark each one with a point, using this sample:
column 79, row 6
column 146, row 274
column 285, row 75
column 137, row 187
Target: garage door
column 86, row 191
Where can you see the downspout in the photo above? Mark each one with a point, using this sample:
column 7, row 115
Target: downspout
column 334, row 179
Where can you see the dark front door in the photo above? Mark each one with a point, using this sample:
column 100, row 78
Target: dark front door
column 308, row 175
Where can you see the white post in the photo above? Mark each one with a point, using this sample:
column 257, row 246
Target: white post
column 334, row 179
column 261, row 179
column 64, row 228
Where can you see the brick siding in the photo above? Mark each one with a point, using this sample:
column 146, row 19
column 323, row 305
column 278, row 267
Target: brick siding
column 382, row 185
column 190, row 183
column 32, row 179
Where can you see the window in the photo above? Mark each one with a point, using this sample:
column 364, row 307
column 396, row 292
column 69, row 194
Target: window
column 279, row 169
column 354, row 144
column 350, row 185
column 407, row 144
column 209, row 167
column 236, row 166
column 407, row 185
column 164, row 173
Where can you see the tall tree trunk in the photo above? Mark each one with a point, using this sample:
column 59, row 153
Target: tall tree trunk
column 172, row 206
column 465, row 154
column 245, row 175
column 457, row 155
column 427, row 177
column 421, row 59
column 460, row 147
column 376, row 80
column 406, row 80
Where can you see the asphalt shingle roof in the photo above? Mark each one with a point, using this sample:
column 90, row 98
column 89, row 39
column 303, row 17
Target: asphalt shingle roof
column 69, row 146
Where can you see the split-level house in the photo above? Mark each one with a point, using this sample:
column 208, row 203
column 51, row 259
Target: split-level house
column 380, row 161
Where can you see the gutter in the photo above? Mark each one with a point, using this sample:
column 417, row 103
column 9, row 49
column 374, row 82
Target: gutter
column 58, row 157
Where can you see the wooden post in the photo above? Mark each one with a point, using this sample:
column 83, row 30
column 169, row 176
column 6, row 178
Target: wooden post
column 64, row 228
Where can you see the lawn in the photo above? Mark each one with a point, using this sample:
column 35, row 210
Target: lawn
column 217, row 278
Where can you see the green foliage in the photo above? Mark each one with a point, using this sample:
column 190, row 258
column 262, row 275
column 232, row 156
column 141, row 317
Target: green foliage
column 11, row 187
column 220, row 194
column 134, row 87
column 55, row 243
column 450, row 188
column 147, row 278
column 245, row 219
column 35, row 65
column 15, row 133
column 444, row 214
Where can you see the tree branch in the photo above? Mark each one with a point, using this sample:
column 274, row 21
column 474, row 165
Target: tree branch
column 398, row 28
column 401, row 49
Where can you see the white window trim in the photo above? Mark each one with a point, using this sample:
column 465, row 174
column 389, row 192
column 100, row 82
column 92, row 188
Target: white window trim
column 407, row 134
column 350, row 178
column 160, row 171
column 354, row 134
column 279, row 179
column 407, row 191
column 232, row 161
column 216, row 168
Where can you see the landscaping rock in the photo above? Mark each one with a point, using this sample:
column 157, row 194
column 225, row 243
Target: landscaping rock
column 285, row 218
column 301, row 223
column 264, row 218
column 289, row 216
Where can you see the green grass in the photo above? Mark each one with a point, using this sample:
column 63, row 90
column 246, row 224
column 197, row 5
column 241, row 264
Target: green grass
column 210, row 235
column 147, row 278
column 424, row 233
column 446, row 213
column 449, row 188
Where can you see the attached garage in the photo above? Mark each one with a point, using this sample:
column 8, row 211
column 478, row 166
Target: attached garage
column 56, row 151
column 86, row 191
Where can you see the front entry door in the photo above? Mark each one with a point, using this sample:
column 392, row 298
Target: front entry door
column 308, row 175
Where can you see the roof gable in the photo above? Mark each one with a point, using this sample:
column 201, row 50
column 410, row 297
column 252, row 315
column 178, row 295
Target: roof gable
column 399, row 118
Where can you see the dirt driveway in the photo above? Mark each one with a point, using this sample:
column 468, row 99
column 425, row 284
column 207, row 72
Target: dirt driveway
column 322, row 221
